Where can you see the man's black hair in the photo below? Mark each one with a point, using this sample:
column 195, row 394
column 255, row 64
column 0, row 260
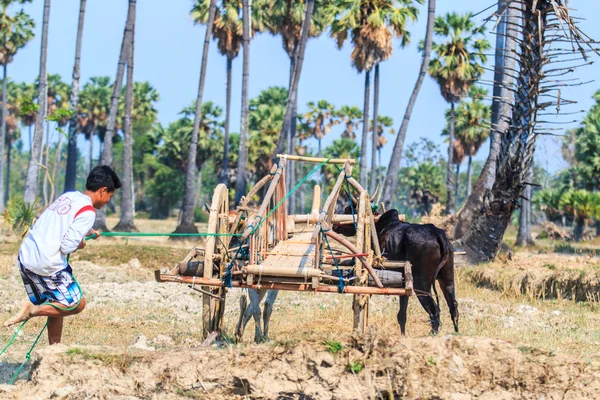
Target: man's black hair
column 103, row 176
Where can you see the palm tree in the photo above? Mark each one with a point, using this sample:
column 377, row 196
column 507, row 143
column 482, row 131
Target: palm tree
column 186, row 224
column 291, row 21
column 352, row 118
column 455, row 66
column 372, row 24
column 583, row 206
column 107, row 157
column 320, row 118
column 58, row 98
column 471, row 128
column 71, row 173
column 27, row 91
column 383, row 122
column 126, row 223
column 33, row 170
column 540, row 31
column 228, row 31
column 242, row 169
column 14, row 104
column 286, row 18
column 504, row 77
column 391, row 179
column 15, row 32
column 93, row 109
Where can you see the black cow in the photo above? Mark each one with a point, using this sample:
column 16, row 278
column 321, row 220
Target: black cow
column 431, row 255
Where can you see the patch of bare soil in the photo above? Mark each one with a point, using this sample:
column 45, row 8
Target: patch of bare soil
column 450, row 367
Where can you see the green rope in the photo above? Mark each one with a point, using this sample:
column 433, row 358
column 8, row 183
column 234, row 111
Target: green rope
column 13, row 338
column 28, row 355
column 165, row 234
column 290, row 193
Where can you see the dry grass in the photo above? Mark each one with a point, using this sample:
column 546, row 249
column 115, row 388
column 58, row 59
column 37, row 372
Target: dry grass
column 124, row 302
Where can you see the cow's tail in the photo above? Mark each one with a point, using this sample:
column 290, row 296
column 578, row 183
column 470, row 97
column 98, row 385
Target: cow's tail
column 445, row 252
column 445, row 248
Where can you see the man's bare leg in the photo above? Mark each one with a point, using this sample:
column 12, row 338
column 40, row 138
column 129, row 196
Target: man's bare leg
column 55, row 327
column 30, row 310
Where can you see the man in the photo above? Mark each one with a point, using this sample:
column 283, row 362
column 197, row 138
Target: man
column 43, row 255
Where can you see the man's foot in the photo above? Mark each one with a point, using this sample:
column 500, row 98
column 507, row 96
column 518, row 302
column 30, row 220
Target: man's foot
column 23, row 315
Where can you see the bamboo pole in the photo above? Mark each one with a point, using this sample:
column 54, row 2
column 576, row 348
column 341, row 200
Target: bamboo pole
column 344, row 242
column 317, row 160
column 259, row 185
column 299, row 287
column 265, row 204
column 270, row 270
column 330, row 199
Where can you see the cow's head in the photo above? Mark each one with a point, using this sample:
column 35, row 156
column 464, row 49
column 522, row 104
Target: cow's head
column 348, row 229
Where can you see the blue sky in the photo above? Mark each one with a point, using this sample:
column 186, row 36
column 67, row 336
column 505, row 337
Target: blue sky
column 169, row 48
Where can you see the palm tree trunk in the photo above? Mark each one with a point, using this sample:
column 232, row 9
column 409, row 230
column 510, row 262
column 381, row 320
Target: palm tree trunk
column 8, row 159
column 71, row 173
column 504, row 72
column 91, row 153
column 293, row 92
column 449, row 199
column 579, row 229
column 30, row 139
column 3, row 137
column 32, row 182
column 242, row 169
column 187, row 217
column 373, row 179
column 524, row 236
column 106, row 158
column 46, row 164
column 469, row 176
column 484, row 236
column 391, row 179
column 227, row 119
column 126, row 223
column 457, row 182
column 365, row 132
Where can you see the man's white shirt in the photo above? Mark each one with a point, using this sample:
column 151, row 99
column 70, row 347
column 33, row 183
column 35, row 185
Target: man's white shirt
column 57, row 233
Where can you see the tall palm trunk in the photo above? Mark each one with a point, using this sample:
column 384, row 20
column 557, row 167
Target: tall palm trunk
column 469, row 176
column 484, row 236
column 365, row 132
column 524, row 236
column 187, row 217
column 375, row 131
column 91, row 153
column 106, row 158
column 8, row 160
column 293, row 92
column 71, row 173
column 504, row 72
column 227, row 119
column 126, row 223
column 242, row 170
column 3, row 138
column 391, row 179
column 30, row 139
column 32, row 182
column 449, row 197
column 457, row 183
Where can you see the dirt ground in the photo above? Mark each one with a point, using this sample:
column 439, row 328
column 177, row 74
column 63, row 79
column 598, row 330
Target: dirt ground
column 140, row 339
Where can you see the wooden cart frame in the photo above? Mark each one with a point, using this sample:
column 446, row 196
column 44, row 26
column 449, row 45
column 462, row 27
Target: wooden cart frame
column 270, row 252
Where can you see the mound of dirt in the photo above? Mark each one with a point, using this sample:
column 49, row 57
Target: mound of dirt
column 451, row 367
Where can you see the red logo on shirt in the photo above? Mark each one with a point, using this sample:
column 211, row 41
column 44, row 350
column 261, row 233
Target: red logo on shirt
column 62, row 205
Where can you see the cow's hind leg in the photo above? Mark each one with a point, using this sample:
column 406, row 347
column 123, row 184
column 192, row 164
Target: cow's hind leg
column 423, row 292
column 268, row 309
column 402, row 314
column 446, row 281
